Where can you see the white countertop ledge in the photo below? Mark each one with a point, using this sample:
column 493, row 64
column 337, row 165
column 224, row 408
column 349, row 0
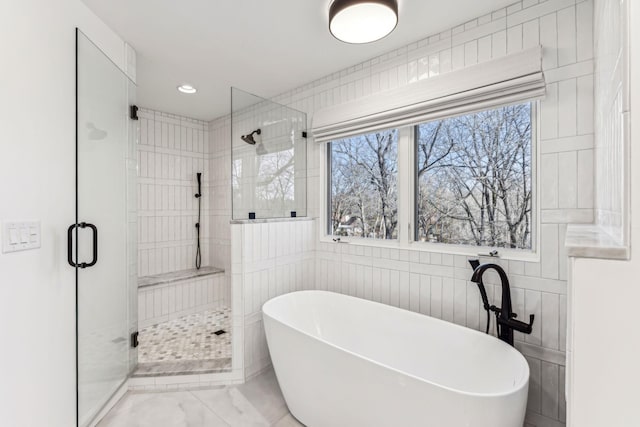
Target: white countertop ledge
column 592, row 241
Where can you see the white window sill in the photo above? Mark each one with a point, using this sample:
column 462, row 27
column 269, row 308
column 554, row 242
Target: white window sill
column 592, row 241
column 442, row 248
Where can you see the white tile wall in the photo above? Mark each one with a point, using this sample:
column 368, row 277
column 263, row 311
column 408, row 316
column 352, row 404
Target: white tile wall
column 611, row 120
column 268, row 259
column 436, row 283
column 220, row 196
column 171, row 151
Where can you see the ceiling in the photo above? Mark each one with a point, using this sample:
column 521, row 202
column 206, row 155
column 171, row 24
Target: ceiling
column 264, row 47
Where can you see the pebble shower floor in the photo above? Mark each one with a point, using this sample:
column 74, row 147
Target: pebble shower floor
column 187, row 344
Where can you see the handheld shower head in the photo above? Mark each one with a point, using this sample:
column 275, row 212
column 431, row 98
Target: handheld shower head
column 199, row 178
column 249, row 137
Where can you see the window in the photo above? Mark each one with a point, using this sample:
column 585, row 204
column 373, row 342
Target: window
column 363, row 186
column 474, row 179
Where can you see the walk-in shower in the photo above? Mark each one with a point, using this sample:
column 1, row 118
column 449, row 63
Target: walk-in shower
column 182, row 293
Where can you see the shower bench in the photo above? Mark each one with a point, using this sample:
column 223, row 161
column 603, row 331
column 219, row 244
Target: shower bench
column 167, row 296
column 175, row 276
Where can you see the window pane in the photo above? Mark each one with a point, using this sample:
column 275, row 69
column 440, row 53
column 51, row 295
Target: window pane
column 474, row 179
column 364, row 186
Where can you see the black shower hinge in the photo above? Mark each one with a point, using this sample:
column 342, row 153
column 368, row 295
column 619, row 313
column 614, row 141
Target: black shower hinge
column 133, row 112
column 134, row 339
column 304, row 134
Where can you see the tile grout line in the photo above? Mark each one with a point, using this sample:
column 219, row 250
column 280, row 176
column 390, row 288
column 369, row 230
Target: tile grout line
column 209, row 408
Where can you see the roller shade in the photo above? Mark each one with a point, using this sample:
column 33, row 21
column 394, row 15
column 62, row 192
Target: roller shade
column 514, row 78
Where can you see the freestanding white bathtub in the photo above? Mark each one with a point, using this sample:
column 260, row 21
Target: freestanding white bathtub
column 344, row 361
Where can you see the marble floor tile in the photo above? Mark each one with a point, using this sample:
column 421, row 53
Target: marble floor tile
column 258, row 403
column 232, row 406
column 174, row 409
column 263, row 392
column 288, row 421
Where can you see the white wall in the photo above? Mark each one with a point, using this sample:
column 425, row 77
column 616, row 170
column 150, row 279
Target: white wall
column 606, row 351
column 37, row 167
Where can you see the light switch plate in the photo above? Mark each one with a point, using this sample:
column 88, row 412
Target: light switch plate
column 20, row 236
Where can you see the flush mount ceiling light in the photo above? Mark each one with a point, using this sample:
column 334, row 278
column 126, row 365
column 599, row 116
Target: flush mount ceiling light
column 187, row 89
column 362, row 21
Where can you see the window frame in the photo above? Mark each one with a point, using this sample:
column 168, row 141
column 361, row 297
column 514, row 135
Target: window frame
column 407, row 207
column 326, row 206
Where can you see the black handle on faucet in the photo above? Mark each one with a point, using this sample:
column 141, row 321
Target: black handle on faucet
column 518, row 325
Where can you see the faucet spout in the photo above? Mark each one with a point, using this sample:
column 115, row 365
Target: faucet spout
column 474, row 264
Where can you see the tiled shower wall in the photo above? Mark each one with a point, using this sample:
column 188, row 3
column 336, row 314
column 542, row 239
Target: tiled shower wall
column 268, row 259
column 220, row 167
column 437, row 283
column 262, row 260
column 612, row 118
column 172, row 150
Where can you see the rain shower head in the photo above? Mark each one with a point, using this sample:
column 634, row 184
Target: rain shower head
column 249, row 138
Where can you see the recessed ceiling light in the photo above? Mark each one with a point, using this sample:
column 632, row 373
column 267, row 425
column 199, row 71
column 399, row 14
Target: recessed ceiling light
column 187, row 89
column 362, row 21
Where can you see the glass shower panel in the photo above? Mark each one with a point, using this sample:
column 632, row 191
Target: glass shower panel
column 269, row 158
column 105, row 228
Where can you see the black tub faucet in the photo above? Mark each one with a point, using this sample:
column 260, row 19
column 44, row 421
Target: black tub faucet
column 505, row 317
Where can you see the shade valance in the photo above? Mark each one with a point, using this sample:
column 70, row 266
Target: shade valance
column 513, row 78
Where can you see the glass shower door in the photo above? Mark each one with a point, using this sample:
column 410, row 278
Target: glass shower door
column 102, row 241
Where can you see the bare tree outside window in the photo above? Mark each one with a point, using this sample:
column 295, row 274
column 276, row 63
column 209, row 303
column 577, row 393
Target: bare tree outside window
column 474, row 184
column 364, row 186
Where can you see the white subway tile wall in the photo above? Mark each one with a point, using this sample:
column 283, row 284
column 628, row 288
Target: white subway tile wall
column 220, row 194
column 612, row 120
column 268, row 259
column 171, row 151
column 429, row 282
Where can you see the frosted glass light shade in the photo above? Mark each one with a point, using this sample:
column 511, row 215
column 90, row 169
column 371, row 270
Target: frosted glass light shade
column 362, row 21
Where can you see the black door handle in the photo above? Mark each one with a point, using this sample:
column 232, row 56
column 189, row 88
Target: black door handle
column 94, row 232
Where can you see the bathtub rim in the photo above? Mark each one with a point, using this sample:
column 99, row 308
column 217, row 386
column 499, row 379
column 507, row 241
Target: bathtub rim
column 521, row 384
